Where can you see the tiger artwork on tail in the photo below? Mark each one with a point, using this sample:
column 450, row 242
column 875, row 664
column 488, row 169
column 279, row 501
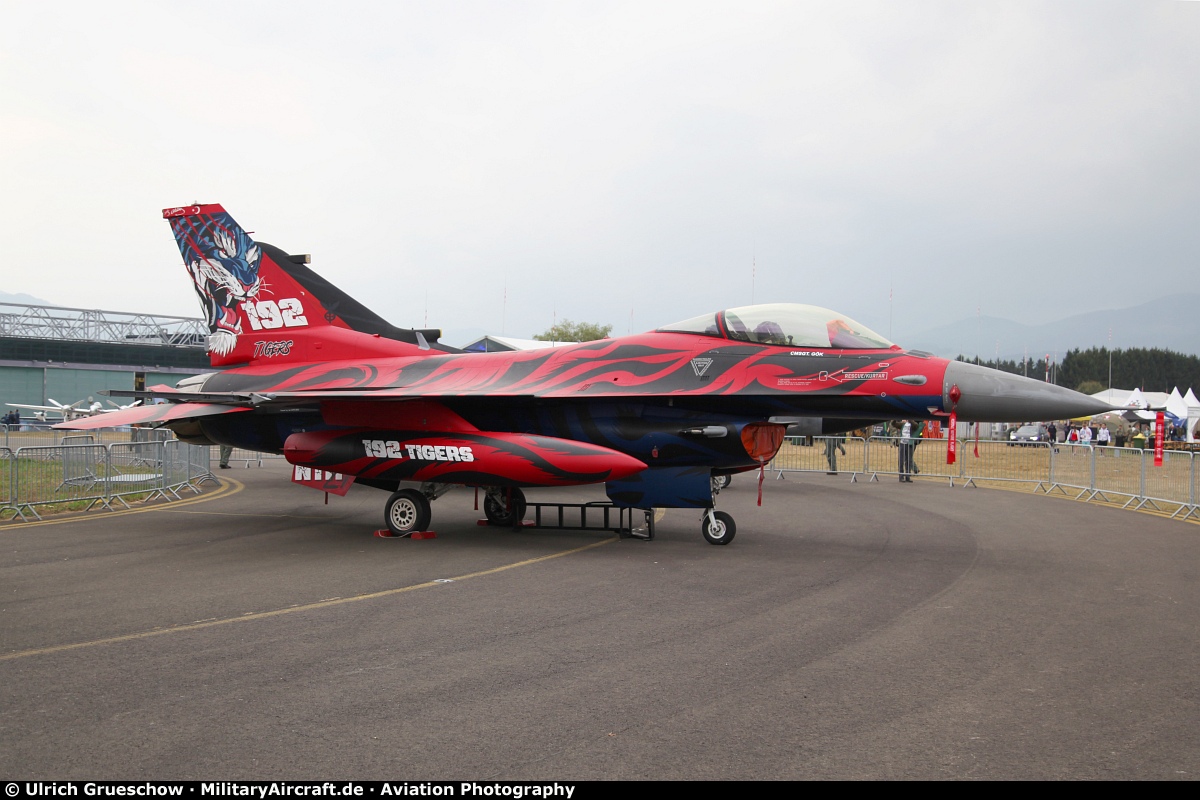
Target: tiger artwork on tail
column 223, row 262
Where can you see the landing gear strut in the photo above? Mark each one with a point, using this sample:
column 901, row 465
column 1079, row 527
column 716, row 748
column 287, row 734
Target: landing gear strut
column 717, row 527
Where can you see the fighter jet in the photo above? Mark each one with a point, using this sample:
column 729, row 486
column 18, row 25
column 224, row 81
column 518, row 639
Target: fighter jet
column 660, row 418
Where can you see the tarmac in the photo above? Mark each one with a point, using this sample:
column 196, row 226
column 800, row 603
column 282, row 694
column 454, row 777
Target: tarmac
column 850, row 631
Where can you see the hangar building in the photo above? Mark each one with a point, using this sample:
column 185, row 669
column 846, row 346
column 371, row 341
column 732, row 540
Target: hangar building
column 70, row 354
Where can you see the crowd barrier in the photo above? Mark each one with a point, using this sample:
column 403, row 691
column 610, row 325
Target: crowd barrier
column 245, row 458
column 15, row 436
column 1122, row 475
column 81, row 471
column 108, row 467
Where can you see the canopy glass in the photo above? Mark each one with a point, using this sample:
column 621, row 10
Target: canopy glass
column 786, row 324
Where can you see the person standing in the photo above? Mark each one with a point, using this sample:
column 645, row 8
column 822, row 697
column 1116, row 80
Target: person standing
column 1103, row 437
column 906, row 451
column 226, row 452
column 831, row 448
column 917, row 436
column 1085, row 435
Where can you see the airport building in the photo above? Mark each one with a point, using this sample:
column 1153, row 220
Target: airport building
column 52, row 355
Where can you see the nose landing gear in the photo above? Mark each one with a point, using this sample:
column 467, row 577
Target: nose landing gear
column 717, row 527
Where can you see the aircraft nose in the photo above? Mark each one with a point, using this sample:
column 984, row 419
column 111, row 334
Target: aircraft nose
column 989, row 395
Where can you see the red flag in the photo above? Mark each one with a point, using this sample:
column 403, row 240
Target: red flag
column 762, row 473
column 952, row 439
column 1159, row 425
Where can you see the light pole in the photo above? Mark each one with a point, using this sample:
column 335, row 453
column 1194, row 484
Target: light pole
column 1110, row 362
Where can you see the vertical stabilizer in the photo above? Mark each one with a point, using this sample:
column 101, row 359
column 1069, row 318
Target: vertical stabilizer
column 262, row 304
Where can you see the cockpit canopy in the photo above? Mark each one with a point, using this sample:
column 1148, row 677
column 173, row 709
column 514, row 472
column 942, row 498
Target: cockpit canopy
column 787, row 324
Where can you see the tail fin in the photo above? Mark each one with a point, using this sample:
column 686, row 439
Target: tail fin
column 264, row 304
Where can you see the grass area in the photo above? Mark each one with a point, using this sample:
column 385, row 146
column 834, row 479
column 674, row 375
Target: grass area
column 55, row 487
column 1116, row 472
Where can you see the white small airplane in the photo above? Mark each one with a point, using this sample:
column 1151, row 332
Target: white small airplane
column 116, row 407
column 73, row 411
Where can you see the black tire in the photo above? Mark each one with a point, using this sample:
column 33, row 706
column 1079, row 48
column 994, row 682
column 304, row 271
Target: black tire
column 726, row 480
column 719, row 528
column 407, row 511
column 500, row 516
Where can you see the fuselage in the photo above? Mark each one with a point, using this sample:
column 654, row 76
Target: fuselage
column 662, row 397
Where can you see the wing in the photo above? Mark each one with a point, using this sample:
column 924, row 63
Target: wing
column 55, row 409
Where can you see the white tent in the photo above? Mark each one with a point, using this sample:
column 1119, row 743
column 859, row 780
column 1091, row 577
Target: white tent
column 1193, row 406
column 1176, row 405
column 1144, row 406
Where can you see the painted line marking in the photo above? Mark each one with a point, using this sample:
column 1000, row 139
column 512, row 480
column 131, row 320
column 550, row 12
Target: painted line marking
column 333, row 601
column 238, row 514
column 229, row 487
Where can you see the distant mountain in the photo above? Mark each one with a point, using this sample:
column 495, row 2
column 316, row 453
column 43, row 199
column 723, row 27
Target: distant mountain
column 1170, row 323
column 23, row 299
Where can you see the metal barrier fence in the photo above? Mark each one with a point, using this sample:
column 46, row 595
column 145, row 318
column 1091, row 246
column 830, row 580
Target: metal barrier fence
column 1084, row 472
column 6, row 468
column 84, row 470
column 246, row 458
column 14, row 436
column 26, row 435
column 82, row 473
column 830, row 454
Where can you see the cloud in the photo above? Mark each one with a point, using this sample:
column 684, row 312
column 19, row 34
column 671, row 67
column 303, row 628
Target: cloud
column 609, row 160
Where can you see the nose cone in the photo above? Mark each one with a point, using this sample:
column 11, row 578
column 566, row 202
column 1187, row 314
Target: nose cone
column 989, row 395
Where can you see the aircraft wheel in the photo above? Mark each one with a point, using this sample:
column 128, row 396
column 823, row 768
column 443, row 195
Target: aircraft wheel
column 726, row 480
column 496, row 512
column 407, row 511
column 719, row 528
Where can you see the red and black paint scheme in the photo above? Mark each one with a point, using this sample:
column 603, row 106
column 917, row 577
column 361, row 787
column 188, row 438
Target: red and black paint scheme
column 314, row 375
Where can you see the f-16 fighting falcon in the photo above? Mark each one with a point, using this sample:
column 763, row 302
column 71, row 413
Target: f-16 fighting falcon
column 660, row 418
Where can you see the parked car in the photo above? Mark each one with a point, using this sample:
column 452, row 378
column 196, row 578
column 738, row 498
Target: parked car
column 1028, row 435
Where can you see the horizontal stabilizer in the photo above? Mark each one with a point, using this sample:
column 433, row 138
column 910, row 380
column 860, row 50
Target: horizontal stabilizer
column 148, row 415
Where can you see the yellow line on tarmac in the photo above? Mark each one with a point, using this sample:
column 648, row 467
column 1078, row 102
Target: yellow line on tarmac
column 238, row 514
column 333, row 601
column 229, row 487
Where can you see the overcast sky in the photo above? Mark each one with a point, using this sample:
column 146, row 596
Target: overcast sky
column 488, row 167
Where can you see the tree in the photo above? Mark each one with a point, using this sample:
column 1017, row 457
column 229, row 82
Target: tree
column 1150, row 369
column 567, row 331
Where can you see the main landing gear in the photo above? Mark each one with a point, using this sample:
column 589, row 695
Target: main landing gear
column 504, row 508
column 408, row 510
